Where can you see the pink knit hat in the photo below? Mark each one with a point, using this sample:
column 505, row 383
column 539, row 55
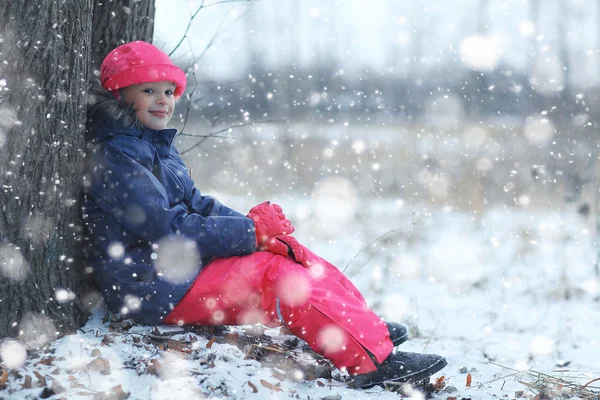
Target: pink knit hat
column 139, row 62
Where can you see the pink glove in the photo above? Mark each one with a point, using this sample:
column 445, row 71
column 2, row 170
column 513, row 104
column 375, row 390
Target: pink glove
column 269, row 220
column 287, row 245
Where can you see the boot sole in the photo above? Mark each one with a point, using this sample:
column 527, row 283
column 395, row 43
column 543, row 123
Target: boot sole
column 412, row 377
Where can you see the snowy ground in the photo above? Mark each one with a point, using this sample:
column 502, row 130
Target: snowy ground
column 499, row 295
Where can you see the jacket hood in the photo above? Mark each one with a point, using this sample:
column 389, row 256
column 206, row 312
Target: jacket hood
column 105, row 110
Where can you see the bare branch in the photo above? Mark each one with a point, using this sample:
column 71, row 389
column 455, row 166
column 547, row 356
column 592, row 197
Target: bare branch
column 412, row 224
column 195, row 13
column 228, row 1
column 210, row 135
column 187, row 29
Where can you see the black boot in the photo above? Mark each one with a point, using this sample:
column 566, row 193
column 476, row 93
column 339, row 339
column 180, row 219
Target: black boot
column 398, row 333
column 401, row 367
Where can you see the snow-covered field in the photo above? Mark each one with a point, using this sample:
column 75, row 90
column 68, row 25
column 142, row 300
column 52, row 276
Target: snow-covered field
column 505, row 296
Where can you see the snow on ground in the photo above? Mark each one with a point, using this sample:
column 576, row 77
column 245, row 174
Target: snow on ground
column 497, row 294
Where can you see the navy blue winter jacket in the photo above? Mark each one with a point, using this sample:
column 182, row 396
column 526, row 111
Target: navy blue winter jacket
column 137, row 192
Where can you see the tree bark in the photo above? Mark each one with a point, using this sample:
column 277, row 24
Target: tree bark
column 46, row 46
column 46, row 51
column 120, row 21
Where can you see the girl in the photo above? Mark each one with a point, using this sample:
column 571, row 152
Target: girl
column 162, row 252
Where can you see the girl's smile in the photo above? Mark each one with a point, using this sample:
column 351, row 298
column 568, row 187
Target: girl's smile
column 153, row 102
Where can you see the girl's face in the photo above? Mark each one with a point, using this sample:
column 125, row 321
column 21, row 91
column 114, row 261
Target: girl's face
column 153, row 102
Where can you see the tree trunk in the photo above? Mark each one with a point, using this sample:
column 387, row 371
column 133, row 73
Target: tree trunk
column 46, row 46
column 46, row 49
column 120, row 21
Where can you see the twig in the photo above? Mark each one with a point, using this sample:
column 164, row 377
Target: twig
column 203, row 136
column 493, row 380
column 219, row 32
column 191, row 96
column 213, row 134
column 187, row 29
column 593, row 380
column 374, row 241
column 432, row 334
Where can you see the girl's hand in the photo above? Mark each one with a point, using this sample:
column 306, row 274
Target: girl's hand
column 269, row 220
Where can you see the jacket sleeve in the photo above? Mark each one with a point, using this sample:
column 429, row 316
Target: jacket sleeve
column 124, row 186
column 203, row 205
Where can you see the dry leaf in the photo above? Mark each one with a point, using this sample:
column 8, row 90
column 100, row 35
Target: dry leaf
column 270, row 386
column 107, row 340
column 451, row 398
column 46, row 361
column 439, row 383
column 469, row 378
column 101, row 365
column 320, row 384
column 210, row 342
column 3, row 378
column 178, row 346
column 232, row 338
column 41, row 379
column 253, row 386
column 118, row 391
column 153, row 367
column 27, row 383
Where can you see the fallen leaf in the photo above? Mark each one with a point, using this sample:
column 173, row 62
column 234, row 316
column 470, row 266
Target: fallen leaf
column 178, row 346
column 439, row 383
column 46, row 361
column 232, row 338
column 469, row 378
column 101, row 365
column 27, row 384
column 3, row 378
column 270, row 386
column 119, row 392
column 210, row 342
column 107, row 340
column 320, row 384
column 41, row 379
column 153, row 367
column 253, row 386
column 56, row 371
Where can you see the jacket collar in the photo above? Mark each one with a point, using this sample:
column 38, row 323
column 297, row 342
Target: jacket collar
column 108, row 117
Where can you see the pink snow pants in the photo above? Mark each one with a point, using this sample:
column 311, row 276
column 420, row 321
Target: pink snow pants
column 318, row 304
